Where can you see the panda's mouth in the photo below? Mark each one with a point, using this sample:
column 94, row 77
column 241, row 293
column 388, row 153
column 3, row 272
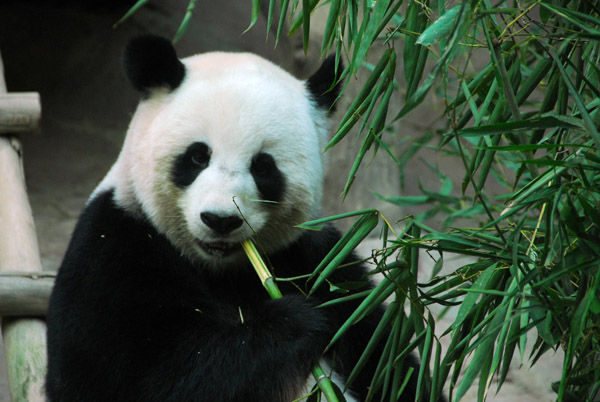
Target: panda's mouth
column 218, row 248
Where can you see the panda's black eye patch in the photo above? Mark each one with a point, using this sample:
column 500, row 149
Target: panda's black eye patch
column 268, row 178
column 189, row 164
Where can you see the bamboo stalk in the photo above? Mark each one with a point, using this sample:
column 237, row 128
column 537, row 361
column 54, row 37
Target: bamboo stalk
column 323, row 381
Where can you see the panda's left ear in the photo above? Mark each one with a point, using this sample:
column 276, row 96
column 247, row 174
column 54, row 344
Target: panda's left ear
column 325, row 84
column 150, row 62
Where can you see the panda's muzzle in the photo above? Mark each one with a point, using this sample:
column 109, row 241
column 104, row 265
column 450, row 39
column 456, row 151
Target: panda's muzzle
column 220, row 224
column 219, row 248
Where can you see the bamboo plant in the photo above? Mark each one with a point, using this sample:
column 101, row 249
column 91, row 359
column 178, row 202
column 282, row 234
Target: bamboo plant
column 527, row 123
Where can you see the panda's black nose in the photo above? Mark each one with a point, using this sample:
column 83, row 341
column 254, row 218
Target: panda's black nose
column 221, row 224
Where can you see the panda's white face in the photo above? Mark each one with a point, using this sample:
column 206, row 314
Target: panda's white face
column 234, row 152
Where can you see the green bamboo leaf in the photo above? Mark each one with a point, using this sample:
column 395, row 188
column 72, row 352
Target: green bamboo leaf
column 414, row 23
column 466, row 306
column 418, row 96
column 185, row 22
column 534, row 147
column 407, row 200
column 440, row 28
column 589, row 124
column 536, row 123
column 271, row 11
column 381, row 292
column 306, row 9
column 484, row 373
column 337, row 300
column 509, row 350
column 254, row 14
column 372, row 29
column 481, row 80
column 317, row 224
column 282, row 16
column 415, row 55
column 471, row 103
column 501, row 343
column 379, row 89
column 424, row 375
column 376, row 127
column 330, row 25
column 299, row 21
column 482, row 348
column 360, row 103
column 572, row 16
column 344, row 247
column 380, row 331
column 581, row 314
column 130, row 12
column 352, row 19
column 414, row 344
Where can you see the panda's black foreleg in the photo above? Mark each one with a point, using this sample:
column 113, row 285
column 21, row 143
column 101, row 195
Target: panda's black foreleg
column 230, row 354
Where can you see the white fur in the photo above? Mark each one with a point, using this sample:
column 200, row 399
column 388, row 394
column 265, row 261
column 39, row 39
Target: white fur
column 239, row 104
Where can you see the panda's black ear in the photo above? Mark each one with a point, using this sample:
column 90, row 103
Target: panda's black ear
column 325, row 84
column 151, row 62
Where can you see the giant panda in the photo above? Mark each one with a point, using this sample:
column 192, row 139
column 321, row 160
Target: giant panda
column 155, row 299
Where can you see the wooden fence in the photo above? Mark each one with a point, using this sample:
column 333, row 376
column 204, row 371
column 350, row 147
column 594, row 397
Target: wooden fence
column 24, row 288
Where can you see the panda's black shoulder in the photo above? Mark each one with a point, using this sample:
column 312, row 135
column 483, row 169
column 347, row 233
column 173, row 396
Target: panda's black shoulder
column 107, row 238
column 102, row 222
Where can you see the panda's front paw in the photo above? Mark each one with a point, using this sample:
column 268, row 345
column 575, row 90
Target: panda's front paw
column 296, row 317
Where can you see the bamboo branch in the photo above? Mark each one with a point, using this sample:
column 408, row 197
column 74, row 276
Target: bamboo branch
column 323, row 381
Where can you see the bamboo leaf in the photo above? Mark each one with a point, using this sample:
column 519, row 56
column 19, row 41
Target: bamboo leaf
column 330, row 25
column 344, row 247
column 306, row 9
column 138, row 4
column 254, row 15
column 535, row 123
column 185, row 22
column 440, row 28
column 378, row 334
column 381, row 292
column 467, row 305
column 282, row 16
column 360, row 103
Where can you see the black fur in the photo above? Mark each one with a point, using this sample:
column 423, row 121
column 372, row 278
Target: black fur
column 131, row 320
column 325, row 84
column 151, row 62
column 221, row 225
column 267, row 176
column 189, row 164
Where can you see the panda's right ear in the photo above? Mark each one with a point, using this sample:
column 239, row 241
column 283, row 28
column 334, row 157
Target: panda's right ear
column 150, row 62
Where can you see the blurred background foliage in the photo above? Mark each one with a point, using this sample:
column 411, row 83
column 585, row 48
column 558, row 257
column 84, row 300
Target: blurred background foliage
column 523, row 126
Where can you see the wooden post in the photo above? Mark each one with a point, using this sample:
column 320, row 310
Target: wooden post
column 24, row 338
column 25, row 294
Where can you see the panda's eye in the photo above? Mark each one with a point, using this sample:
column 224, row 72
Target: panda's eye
column 268, row 178
column 262, row 165
column 199, row 154
column 189, row 164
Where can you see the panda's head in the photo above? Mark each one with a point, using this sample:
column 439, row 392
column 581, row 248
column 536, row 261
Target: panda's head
column 222, row 147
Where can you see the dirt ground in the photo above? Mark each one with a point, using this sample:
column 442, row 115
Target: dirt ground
column 70, row 53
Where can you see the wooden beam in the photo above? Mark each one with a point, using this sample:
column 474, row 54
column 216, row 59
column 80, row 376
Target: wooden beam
column 25, row 294
column 19, row 112
column 24, row 338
